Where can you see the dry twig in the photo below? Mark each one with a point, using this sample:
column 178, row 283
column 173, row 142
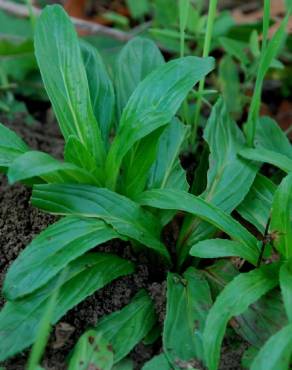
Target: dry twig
column 90, row 27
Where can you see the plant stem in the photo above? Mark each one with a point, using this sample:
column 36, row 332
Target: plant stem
column 32, row 16
column 255, row 105
column 266, row 22
column 206, row 50
column 44, row 327
column 183, row 18
column 265, row 242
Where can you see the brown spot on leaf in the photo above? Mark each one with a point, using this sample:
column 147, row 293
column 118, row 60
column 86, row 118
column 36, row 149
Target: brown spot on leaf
column 110, row 348
column 91, row 339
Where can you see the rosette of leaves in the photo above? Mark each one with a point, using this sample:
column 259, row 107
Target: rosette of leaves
column 121, row 178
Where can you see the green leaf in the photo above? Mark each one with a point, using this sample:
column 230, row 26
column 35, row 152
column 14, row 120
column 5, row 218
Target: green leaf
column 44, row 328
column 137, row 164
column 156, row 159
column 92, row 351
column 167, row 171
column 254, row 44
column 230, row 85
column 267, row 56
column 127, row 327
column 14, row 27
column 180, row 200
column 276, row 353
column 229, row 177
column 164, row 173
column 248, row 357
column 38, row 164
column 100, row 88
column 60, row 61
column 232, row 301
column 11, row 146
column 256, row 207
column 165, row 12
column 19, row 320
column 236, row 49
column 268, row 156
column 125, row 364
column 216, row 248
column 262, row 319
column 138, row 8
column 153, row 104
column 159, row 362
column 75, row 152
column 282, row 216
column 138, row 58
column 188, row 302
column 17, row 58
column 286, row 286
column 51, row 251
column 270, row 136
column 124, row 215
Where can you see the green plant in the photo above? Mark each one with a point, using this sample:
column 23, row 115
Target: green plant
column 255, row 59
column 122, row 178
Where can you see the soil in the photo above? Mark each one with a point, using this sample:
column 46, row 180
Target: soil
column 20, row 222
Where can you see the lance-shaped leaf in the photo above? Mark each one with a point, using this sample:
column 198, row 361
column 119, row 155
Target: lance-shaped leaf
column 11, row 146
column 42, row 165
column 92, row 351
column 262, row 319
column 164, row 173
column 216, row 248
column 124, row 215
column 188, row 302
column 138, row 58
column 281, row 224
column 232, row 301
column 100, row 88
column 60, row 61
column 75, row 152
column 125, row 364
column 276, row 353
column 161, row 151
column 137, row 164
column 229, row 177
column 159, row 362
column 153, row 104
column 286, row 286
column 267, row 56
column 51, row 251
column 19, row 319
column 180, row 200
column 268, row 156
column 270, row 136
column 127, row 327
column 256, row 206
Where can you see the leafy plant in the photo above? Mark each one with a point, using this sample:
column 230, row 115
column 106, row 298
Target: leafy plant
column 122, row 178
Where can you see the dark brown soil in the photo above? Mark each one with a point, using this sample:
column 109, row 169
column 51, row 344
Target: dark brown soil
column 20, row 222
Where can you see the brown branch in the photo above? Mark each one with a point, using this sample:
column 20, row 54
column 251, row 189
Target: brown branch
column 93, row 28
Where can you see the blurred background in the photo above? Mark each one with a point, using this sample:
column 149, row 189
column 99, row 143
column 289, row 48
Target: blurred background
column 108, row 25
